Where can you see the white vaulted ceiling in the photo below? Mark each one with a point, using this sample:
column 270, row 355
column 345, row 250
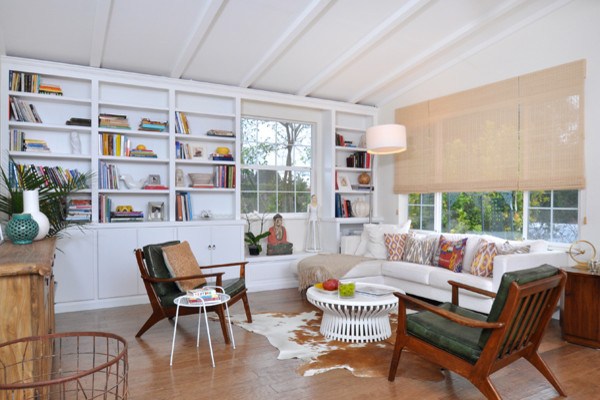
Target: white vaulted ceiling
column 358, row 51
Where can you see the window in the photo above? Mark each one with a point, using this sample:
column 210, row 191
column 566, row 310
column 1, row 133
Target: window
column 552, row 215
column 276, row 166
column 421, row 210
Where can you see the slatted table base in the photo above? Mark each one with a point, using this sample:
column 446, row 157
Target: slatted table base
column 355, row 323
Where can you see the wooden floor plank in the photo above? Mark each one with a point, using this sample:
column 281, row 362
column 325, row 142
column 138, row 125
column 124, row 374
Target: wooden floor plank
column 252, row 370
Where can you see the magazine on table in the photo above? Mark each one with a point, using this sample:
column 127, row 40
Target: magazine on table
column 374, row 290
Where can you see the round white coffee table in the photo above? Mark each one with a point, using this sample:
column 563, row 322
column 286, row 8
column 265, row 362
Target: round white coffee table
column 363, row 318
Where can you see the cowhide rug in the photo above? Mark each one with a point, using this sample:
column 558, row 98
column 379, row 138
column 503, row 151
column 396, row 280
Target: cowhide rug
column 297, row 336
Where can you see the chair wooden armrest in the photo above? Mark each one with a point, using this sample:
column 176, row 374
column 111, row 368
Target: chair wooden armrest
column 217, row 275
column 242, row 265
column 459, row 319
column 458, row 285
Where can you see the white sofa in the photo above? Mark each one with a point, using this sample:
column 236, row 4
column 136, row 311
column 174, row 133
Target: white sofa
column 432, row 282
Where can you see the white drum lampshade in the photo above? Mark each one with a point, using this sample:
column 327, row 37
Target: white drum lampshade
column 386, row 139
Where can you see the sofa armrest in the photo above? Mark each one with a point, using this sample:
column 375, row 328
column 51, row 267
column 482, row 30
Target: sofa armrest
column 350, row 244
column 516, row 262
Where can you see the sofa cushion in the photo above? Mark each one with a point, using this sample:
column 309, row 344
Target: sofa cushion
column 508, row 248
column 372, row 242
column 420, row 249
column 364, row 269
column 451, row 253
column 395, row 244
column 439, row 278
column 483, row 262
column 407, row 271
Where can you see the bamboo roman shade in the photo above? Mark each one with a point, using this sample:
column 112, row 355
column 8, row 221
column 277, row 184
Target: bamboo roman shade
column 524, row 133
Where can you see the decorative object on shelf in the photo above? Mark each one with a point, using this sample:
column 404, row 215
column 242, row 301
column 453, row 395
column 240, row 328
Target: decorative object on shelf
column 277, row 243
column 343, row 182
column 179, row 179
column 364, row 179
column 31, row 206
column 124, row 209
column 75, row 142
column 156, row 210
column 201, row 180
column 198, row 152
column 254, row 247
column 361, row 208
column 153, row 179
column 582, row 252
column 384, row 139
column 313, row 231
column 21, row 229
column 206, row 214
column 130, row 183
column 594, row 266
column 222, row 150
column 363, row 142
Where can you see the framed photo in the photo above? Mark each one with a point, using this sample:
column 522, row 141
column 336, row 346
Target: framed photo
column 343, row 182
column 197, row 152
column 153, row 179
column 156, row 210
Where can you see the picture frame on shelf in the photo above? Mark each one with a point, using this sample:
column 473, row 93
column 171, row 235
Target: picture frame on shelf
column 343, row 182
column 153, row 179
column 156, row 210
column 198, row 152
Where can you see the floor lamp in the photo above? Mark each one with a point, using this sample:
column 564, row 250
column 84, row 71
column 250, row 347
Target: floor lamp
column 383, row 139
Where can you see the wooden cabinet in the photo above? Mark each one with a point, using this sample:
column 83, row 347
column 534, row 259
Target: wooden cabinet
column 580, row 308
column 26, row 289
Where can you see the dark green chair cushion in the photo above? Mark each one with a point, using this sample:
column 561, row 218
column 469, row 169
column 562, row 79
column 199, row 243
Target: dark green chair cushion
column 231, row 286
column 158, row 269
column 522, row 277
column 460, row 340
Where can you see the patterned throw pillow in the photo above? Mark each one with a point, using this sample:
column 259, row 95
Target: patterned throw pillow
column 180, row 261
column 507, row 248
column 395, row 244
column 483, row 262
column 420, row 250
column 452, row 253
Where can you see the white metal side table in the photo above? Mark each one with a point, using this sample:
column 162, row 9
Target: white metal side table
column 363, row 318
column 183, row 301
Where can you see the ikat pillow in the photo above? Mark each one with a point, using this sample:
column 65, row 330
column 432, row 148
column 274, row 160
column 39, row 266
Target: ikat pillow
column 452, row 253
column 483, row 261
column 395, row 244
column 181, row 262
column 420, row 250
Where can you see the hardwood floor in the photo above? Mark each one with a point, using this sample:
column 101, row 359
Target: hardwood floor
column 252, row 370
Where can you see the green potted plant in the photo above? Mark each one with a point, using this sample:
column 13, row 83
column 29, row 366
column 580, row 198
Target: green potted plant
column 254, row 247
column 52, row 195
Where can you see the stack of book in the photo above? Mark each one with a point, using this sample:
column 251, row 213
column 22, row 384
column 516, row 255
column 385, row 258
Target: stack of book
column 202, row 295
column 147, row 125
column 221, row 157
column 220, row 132
column 79, row 121
column 79, row 210
column 142, row 153
column 48, row 88
column 126, row 216
column 35, row 146
column 23, row 111
column 181, row 123
column 113, row 121
column 183, row 209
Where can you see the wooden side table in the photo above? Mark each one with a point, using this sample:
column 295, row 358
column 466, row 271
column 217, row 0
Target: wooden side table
column 580, row 308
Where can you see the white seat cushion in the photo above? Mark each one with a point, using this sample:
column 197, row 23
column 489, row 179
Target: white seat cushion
column 365, row 268
column 440, row 277
column 407, row 271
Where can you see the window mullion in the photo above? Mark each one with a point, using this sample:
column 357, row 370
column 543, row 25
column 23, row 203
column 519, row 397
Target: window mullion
column 437, row 210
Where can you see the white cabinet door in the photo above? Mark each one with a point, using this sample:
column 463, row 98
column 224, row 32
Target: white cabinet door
column 199, row 238
column 118, row 274
column 74, row 266
column 226, row 244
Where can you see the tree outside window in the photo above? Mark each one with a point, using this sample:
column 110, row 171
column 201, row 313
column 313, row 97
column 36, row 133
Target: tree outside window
column 276, row 166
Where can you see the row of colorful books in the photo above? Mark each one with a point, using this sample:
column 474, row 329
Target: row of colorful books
column 360, row 159
column 31, row 83
column 18, row 142
column 343, row 207
column 23, row 111
column 225, row 176
column 105, row 204
column 108, row 176
column 183, row 208
column 111, row 144
column 79, row 210
column 51, row 175
column 181, row 123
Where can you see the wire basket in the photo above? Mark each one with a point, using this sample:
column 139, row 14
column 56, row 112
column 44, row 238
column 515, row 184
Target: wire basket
column 70, row 365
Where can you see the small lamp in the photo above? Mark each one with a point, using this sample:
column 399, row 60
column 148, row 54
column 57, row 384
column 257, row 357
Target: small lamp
column 384, row 139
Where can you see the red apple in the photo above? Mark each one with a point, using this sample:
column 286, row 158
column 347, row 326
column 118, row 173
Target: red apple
column 330, row 284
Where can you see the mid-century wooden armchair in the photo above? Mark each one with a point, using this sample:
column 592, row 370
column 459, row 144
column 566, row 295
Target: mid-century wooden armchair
column 474, row 346
column 162, row 290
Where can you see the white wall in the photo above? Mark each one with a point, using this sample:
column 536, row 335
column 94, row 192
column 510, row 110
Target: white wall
column 568, row 34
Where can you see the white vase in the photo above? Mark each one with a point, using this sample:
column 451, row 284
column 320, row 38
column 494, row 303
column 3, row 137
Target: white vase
column 31, row 205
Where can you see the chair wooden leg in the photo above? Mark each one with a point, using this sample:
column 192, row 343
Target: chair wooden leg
column 395, row 360
column 247, row 308
column 154, row 318
column 488, row 389
column 221, row 314
column 541, row 366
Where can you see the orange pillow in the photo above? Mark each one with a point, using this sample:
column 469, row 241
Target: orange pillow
column 395, row 243
column 181, row 262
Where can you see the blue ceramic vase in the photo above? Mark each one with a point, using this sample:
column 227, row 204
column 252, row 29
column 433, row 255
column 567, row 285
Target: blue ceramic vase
column 21, row 229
